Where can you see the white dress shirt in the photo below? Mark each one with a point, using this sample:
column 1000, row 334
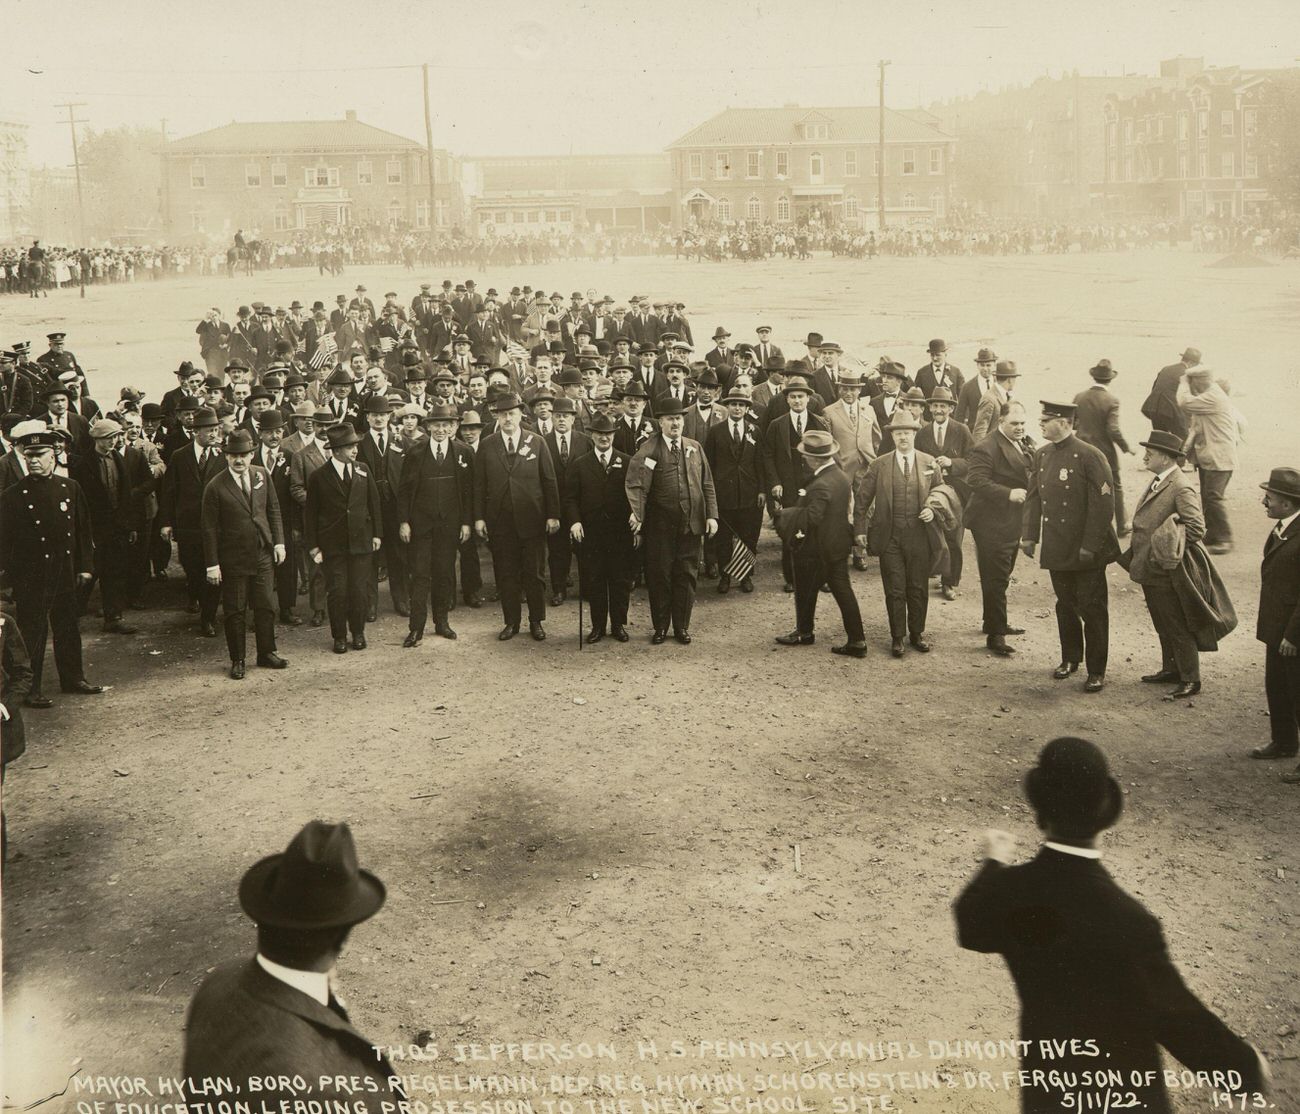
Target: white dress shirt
column 314, row 984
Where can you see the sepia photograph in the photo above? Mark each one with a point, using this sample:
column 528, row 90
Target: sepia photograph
column 710, row 557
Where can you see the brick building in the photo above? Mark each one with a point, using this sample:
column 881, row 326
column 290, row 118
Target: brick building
column 791, row 165
column 275, row 178
column 15, row 181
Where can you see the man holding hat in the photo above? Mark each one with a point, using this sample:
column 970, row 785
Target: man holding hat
column 1005, row 378
column 817, row 531
column 670, row 491
column 782, row 464
column 737, row 463
column 243, row 541
column 180, row 508
column 1279, row 617
column 1096, row 420
column 382, row 455
column 343, row 528
column 516, row 506
column 1212, row 435
column 949, row 443
column 46, row 554
column 1085, row 956
column 895, row 487
column 1071, row 506
column 276, row 1015
column 1150, row 563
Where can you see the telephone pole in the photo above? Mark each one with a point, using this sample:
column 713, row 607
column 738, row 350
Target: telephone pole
column 76, row 163
column 880, row 138
column 428, row 143
column 166, row 185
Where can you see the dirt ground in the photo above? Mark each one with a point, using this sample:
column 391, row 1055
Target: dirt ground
column 599, row 845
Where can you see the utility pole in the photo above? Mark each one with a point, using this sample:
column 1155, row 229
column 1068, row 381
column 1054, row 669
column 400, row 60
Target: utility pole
column 880, row 132
column 76, row 163
column 166, row 184
column 428, row 143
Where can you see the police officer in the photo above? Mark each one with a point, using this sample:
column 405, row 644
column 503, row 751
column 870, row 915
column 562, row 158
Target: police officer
column 1070, row 505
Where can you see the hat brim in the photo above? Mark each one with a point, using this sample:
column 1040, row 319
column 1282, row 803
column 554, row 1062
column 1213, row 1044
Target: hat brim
column 1295, row 495
column 256, row 899
column 1168, row 451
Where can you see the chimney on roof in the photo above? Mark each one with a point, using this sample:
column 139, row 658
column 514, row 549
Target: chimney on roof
column 351, row 114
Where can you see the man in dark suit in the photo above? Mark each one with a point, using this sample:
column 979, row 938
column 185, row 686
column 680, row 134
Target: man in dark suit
column 948, row 442
column 343, row 528
column 1085, row 956
column 243, row 541
column 764, row 349
column 817, row 530
column 382, row 454
column 939, row 372
column 516, row 506
column 1161, row 407
column 435, row 507
column 632, row 426
column 782, row 464
column 566, row 445
column 737, row 463
column 1279, row 617
column 997, row 474
column 1096, row 421
column 189, row 470
column 270, row 456
column 598, row 513
column 720, row 355
column 58, row 414
column 116, row 481
column 276, row 1016
column 975, row 388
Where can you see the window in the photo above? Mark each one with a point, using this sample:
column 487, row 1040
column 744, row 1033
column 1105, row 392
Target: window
column 875, row 163
column 1112, row 169
column 850, row 164
column 816, row 166
column 816, row 131
column 1128, row 168
column 1227, row 123
column 252, row 175
column 550, row 216
column 1183, row 126
column 566, row 216
column 393, row 170
column 281, row 220
column 534, row 216
column 1252, row 166
column 1202, row 124
column 1128, row 131
column 1250, row 121
column 279, row 174
column 394, row 213
column 939, row 204
column 422, row 214
column 754, row 164
column 1182, row 166
column 783, row 164
column 365, row 173
column 500, row 217
column 724, row 210
column 321, row 176
column 909, row 160
column 1160, row 127
column 753, row 209
column 722, row 164
column 909, row 201
column 196, row 219
column 198, row 176
column 1202, row 168
column 936, row 160
column 1112, row 134
column 1227, row 165
column 783, row 208
column 850, row 208
column 695, row 165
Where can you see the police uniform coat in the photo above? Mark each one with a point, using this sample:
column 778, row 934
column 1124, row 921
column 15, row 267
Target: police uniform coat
column 45, row 536
column 1070, row 505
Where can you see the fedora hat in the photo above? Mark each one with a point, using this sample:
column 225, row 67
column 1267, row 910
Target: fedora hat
column 818, row 444
column 814, row 340
column 986, row 356
column 1163, row 441
column 846, row 377
column 1073, row 788
column 797, row 383
column 241, row 441
column 892, row 368
column 315, row 883
column 304, row 410
column 205, row 418
column 441, row 413
column 635, row 389
column 902, row 420
column 667, row 407
column 1006, row 369
column 601, row 423
column 913, row 394
column 342, row 435
column 471, row 420
column 1103, row 372
column 735, row 396
column 1193, row 354
column 1284, row 481
column 507, row 401
column 942, row 394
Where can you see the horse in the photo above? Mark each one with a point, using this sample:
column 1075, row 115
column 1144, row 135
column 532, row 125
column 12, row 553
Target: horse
column 37, row 276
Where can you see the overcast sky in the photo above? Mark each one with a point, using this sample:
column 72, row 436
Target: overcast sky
column 587, row 76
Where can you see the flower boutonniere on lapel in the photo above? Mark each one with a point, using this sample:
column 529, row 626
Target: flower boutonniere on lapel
column 361, row 471
column 690, row 450
column 749, row 437
column 258, row 482
column 460, row 460
column 613, row 464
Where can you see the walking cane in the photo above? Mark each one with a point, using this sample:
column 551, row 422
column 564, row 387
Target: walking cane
column 579, row 575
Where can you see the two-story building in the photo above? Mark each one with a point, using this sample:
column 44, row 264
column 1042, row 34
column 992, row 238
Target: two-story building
column 793, row 165
column 274, row 178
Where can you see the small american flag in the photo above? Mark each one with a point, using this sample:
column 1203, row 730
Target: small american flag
column 324, row 352
column 741, row 564
column 387, row 344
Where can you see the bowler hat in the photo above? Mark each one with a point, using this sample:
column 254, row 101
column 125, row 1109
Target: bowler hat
column 151, row 411
column 507, row 401
column 1072, row 788
column 185, row 370
column 942, row 394
column 342, row 435
column 339, row 378
column 1193, row 354
column 238, row 365
column 814, row 340
column 564, row 406
column 667, row 407
column 57, row 389
column 294, row 380
column 601, row 423
column 1283, row 481
column 902, row 420
column 1103, row 372
column 315, row 883
column 441, row 413
column 635, row 389
column 241, row 441
column 938, row 346
column 819, row 444
column 189, row 402
column 1163, row 441
column 260, row 391
column 205, row 418
column 378, row 404
column 568, row 377
column 270, row 419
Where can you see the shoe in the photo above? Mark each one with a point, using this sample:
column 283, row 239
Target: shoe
column 860, row 563
column 595, row 636
column 161, row 574
column 787, row 587
column 896, row 648
column 475, row 601
column 919, row 643
column 83, row 688
column 1013, row 630
column 271, row 661
column 318, row 618
column 998, row 644
column 948, row 592
column 658, row 638
column 38, row 700
column 236, row 670
column 1220, row 547
column 537, row 631
column 747, row 585
column 851, row 650
column 557, row 598
column 1163, row 677
column 192, row 608
column 1094, row 682
column 135, row 603
column 445, row 631
column 683, row 636
column 724, row 585
column 358, row 642
column 208, row 630
column 507, row 633
column 1064, row 670
column 119, row 627
column 1291, row 777
column 824, row 588
column 372, row 616
column 412, row 640
column 340, row 645
column 289, row 619
column 1187, row 688
column 1270, row 751
column 403, row 610
column 303, row 589
column 493, row 597
column 620, row 634
column 710, row 571
column 795, row 638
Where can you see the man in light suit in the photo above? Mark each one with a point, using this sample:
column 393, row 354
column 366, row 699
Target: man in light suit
column 276, row 1015
column 853, row 425
column 948, row 442
column 895, row 486
column 1169, row 494
column 1161, row 406
column 243, row 540
column 1279, row 617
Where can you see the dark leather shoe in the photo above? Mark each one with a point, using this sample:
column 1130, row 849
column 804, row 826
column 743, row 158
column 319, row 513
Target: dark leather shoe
column 289, row 619
column 659, row 637
column 620, row 634
column 84, row 688
column 236, row 670
column 358, row 642
column 595, row 636
column 271, row 661
column 724, row 585
column 340, row 645
column 537, row 631
column 860, row 564
column 412, row 640
column 40, row 700
column 119, row 627
column 1064, row 670
column 998, row 644
column 403, row 610
column 1094, row 682
column 795, row 638
column 683, row 636
column 372, row 616
column 896, row 648
column 1014, row 630
column 851, row 650
column 787, row 587
column 192, row 608
column 747, row 585
column 444, row 630
column 1187, row 688
column 710, row 571
column 318, row 618
column 507, row 633
column 475, row 601
column 920, row 644
column 557, row 598
column 1270, row 751
column 948, row 592
column 1163, row 677
column 208, row 630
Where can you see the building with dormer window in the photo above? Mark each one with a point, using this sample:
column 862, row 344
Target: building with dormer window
column 797, row 165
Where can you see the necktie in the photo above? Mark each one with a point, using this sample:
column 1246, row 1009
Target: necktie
column 438, row 453
column 735, row 432
column 604, row 461
column 564, row 448
column 798, row 424
column 907, row 468
column 510, row 446
column 246, row 489
column 382, row 446
column 939, row 430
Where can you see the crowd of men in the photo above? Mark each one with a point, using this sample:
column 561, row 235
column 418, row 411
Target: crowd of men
column 320, row 453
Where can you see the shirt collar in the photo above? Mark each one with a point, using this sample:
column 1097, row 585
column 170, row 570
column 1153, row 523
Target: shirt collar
column 1162, row 476
column 823, row 468
column 1067, row 849
column 1284, row 524
column 314, row 984
column 339, row 466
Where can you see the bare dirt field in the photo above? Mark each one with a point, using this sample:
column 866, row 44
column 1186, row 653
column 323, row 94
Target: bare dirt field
column 600, row 845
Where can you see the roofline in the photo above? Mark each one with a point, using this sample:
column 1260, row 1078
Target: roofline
column 680, row 142
column 938, row 137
